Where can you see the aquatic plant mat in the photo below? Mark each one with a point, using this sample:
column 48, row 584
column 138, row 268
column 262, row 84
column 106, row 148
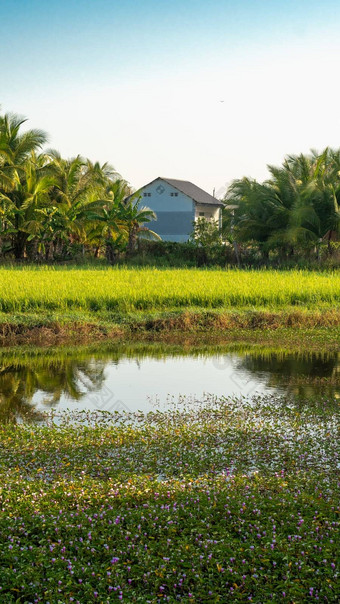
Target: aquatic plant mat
column 228, row 500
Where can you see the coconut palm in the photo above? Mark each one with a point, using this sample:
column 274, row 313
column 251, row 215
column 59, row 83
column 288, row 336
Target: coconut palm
column 16, row 148
column 253, row 212
column 135, row 216
column 294, row 210
column 107, row 226
column 119, row 220
column 79, row 185
column 24, row 206
column 24, row 184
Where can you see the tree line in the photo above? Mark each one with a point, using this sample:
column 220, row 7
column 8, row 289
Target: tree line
column 51, row 206
column 295, row 213
column 54, row 209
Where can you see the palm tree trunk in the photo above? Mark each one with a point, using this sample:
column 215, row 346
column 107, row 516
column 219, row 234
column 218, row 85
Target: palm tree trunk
column 132, row 240
column 110, row 252
column 20, row 245
column 329, row 244
column 49, row 251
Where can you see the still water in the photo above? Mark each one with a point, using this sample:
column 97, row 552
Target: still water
column 154, row 378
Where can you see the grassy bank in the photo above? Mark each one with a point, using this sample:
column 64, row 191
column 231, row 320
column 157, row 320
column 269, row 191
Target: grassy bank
column 226, row 502
column 315, row 331
column 56, row 305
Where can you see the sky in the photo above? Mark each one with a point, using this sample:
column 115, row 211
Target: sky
column 206, row 91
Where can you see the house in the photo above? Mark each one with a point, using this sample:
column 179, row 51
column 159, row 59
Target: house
column 177, row 204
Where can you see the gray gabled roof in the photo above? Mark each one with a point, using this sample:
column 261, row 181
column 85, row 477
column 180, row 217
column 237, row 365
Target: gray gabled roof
column 191, row 190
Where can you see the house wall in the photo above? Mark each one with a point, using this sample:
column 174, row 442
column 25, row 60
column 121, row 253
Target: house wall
column 175, row 214
column 210, row 213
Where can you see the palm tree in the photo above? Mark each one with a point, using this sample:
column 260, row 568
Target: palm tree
column 253, row 210
column 15, row 148
column 135, row 218
column 79, row 186
column 294, row 209
column 23, row 182
column 107, row 227
column 118, row 220
column 56, row 203
column 296, row 223
column 318, row 178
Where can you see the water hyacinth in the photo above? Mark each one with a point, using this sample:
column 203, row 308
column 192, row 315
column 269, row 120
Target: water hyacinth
column 229, row 500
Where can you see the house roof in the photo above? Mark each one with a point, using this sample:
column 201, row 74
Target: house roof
column 188, row 188
column 191, row 190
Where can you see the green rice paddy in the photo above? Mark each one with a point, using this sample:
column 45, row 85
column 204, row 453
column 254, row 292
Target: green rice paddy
column 126, row 290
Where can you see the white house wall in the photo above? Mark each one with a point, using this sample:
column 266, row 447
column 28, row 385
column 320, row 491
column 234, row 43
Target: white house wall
column 208, row 212
column 212, row 213
column 175, row 214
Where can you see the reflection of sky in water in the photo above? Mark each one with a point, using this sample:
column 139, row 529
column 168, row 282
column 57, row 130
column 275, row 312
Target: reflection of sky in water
column 150, row 383
column 147, row 381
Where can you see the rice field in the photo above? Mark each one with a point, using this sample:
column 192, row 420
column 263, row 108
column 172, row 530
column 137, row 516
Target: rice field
column 229, row 500
column 128, row 290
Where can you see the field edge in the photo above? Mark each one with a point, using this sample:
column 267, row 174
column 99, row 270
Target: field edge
column 294, row 325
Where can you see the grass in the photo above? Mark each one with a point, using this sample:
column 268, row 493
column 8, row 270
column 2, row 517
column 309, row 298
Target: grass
column 312, row 331
column 230, row 501
column 125, row 290
column 109, row 303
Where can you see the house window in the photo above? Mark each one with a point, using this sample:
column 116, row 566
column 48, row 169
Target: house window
column 173, row 194
column 147, row 194
column 201, row 213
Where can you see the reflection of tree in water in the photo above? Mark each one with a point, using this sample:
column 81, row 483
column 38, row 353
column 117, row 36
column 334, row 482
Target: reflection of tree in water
column 301, row 374
column 54, row 379
column 67, row 375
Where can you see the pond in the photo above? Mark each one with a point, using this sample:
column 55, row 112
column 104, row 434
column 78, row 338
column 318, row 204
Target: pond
column 153, row 377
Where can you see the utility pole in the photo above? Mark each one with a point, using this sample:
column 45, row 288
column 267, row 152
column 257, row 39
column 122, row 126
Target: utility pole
column 232, row 209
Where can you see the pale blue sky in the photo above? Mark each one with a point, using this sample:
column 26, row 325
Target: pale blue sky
column 139, row 83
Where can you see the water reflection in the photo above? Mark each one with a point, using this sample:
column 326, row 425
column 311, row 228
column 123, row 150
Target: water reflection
column 23, row 383
column 142, row 378
column 297, row 374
